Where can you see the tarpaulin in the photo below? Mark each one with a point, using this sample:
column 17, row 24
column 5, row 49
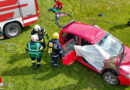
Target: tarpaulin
column 92, row 54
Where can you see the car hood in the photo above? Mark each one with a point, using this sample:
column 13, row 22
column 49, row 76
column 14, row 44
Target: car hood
column 125, row 64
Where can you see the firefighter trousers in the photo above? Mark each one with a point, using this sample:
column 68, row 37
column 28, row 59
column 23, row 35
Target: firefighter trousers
column 34, row 62
column 55, row 60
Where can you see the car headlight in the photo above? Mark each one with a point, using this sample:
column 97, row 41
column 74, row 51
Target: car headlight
column 128, row 76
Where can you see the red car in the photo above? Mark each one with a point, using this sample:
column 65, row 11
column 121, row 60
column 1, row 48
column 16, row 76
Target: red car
column 96, row 49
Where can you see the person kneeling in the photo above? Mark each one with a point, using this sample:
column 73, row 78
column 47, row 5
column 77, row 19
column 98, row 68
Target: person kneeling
column 57, row 7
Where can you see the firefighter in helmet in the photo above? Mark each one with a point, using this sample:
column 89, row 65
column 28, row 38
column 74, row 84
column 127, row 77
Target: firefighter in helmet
column 40, row 32
column 54, row 49
column 35, row 50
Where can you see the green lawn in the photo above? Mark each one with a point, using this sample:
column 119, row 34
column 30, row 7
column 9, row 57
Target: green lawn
column 16, row 70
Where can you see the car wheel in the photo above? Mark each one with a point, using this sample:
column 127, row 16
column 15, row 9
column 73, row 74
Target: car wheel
column 110, row 78
column 12, row 30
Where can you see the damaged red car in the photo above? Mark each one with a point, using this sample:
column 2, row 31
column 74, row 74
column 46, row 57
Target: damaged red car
column 97, row 50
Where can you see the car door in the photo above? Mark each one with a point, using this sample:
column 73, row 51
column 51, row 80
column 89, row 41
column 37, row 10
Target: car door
column 69, row 53
column 91, row 56
column 62, row 36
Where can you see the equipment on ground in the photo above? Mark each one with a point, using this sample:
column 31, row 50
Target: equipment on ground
column 55, row 10
column 11, row 47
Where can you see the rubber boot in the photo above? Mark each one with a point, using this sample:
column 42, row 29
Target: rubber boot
column 56, row 65
column 38, row 65
column 39, row 62
column 34, row 65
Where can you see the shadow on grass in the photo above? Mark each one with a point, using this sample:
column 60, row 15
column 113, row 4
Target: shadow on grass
column 120, row 26
column 26, row 28
column 91, row 86
column 17, row 57
column 86, row 78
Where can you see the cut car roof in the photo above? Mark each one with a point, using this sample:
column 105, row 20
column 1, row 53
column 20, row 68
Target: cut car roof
column 88, row 32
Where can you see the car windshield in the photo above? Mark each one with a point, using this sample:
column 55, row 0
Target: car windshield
column 111, row 45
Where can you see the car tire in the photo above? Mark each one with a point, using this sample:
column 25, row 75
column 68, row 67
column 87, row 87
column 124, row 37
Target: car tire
column 110, row 78
column 12, row 30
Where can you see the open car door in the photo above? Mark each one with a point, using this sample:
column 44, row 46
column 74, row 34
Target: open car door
column 69, row 53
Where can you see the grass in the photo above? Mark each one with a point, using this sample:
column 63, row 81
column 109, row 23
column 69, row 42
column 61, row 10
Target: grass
column 16, row 70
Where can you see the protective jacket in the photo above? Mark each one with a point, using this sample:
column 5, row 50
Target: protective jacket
column 34, row 49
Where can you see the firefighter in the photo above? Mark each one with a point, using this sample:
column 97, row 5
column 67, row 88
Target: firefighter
column 40, row 32
column 1, row 33
column 54, row 49
column 35, row 50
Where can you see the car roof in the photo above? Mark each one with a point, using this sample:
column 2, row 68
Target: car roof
column 90, row 33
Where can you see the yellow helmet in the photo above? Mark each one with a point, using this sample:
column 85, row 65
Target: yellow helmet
column 55, row 35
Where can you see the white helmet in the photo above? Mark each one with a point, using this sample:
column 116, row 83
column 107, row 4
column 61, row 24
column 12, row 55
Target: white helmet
column 34, row 38
column 37, row 27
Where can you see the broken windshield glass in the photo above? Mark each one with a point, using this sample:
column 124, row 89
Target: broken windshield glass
column 111, row 45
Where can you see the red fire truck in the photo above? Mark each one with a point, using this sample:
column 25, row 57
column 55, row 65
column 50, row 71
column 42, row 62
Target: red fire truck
column 16, row 14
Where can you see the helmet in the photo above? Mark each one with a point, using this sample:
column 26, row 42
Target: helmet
column 34, row 38
column 37, row 27
column 55, row 35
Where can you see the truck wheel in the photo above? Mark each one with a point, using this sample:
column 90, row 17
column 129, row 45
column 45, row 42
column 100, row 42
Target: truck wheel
column 12, row 30
column 110, row 78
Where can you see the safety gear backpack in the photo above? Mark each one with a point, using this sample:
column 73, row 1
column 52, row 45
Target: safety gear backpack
column 50, row 47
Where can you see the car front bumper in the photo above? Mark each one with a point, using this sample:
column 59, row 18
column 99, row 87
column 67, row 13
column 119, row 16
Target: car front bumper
column 124, row 81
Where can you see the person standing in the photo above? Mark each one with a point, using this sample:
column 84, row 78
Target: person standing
column 54, row 49
column 40, row 32
column 35, row 49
